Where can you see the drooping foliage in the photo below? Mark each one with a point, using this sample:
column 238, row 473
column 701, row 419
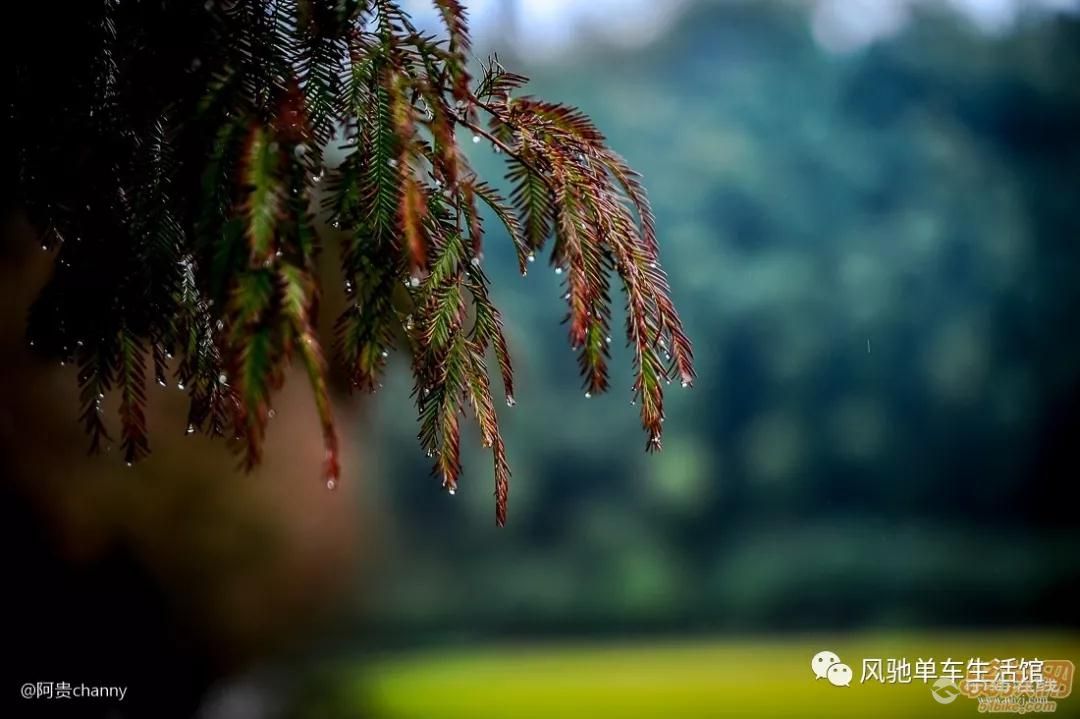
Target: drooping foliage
column 173, row 158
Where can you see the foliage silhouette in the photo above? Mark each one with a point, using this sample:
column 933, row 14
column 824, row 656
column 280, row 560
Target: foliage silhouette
column 172, row 158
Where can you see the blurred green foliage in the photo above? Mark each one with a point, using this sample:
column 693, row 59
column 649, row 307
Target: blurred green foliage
column 742, row 678
column 877, row 256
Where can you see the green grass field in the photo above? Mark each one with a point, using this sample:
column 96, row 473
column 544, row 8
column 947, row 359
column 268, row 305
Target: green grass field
column 739, row 678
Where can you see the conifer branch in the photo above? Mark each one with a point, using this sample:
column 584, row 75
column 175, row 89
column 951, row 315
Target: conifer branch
column 174, row 185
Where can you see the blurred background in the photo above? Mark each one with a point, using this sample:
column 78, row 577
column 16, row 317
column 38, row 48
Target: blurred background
column 869, row 212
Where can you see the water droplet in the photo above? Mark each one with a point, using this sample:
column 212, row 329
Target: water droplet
column 331, row 484
column 427, row 391
column 220, row 325
column 271, row 413
column 558, row 270
column 652, row 265
column 496, row 148
column 196, row 64
column 385, row 354
column 190, row 429
column 161, row 381
column 566, row 296
column 180, row 386
column 222, row 379
column 685, row 384
column 531, row 257
column 588, row 395
column 414, row 281
column 451, row 490
column 300, row 150
column 475, row 262
column 431, row 453
column 510, row 401
column 476, row 139
column 129, row 464
column 607, row 340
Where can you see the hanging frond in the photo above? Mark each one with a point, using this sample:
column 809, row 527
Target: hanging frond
column 185, row 244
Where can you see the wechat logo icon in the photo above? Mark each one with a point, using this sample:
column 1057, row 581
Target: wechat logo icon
column 827, row 665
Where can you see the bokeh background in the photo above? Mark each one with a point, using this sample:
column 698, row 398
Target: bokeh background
column 870, row 212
